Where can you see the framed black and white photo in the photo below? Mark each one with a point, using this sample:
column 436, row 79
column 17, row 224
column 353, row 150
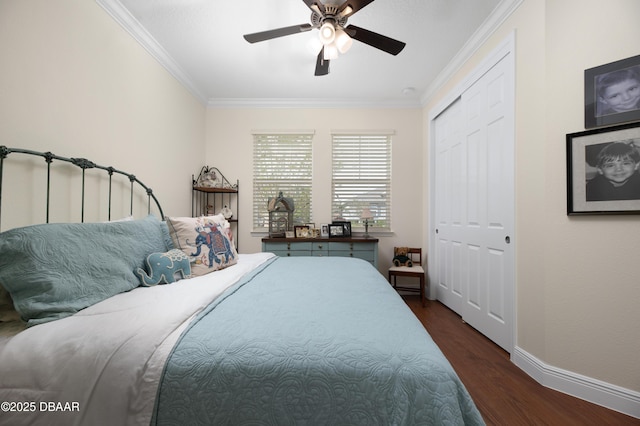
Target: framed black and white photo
column 346, row 225
column 612, row 93
column 336, row 231
column 603, row 175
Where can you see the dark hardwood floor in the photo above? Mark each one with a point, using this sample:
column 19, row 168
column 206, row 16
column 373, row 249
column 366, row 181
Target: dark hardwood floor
column 504, row 394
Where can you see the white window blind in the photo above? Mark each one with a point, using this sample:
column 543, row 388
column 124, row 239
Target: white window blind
column 361, row 178
column 282, row 163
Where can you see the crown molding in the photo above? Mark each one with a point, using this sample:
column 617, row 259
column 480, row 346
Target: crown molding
column 313, row 103
column 127, row 21
column 499, row 15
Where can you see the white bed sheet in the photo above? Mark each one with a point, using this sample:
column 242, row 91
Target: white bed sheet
column 106, row 360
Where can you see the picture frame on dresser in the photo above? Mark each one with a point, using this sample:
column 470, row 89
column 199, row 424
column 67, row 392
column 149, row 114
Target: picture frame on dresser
column 346, row 227
column 336, row 230
column 301, row 231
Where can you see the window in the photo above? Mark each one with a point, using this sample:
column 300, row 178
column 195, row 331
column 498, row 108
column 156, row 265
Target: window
column 361, row 178
column 281, row 163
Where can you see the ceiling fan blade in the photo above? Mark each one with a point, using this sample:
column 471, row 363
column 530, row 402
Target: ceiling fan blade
column 322, row 65
column 313, row 4
column 278, row 32
column 376, row 40
column 355, row 6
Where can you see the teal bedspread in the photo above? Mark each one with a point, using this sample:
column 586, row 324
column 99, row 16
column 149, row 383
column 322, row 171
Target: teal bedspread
column 310, row 341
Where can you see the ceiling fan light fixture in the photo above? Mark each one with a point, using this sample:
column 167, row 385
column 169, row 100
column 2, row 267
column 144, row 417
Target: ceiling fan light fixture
column 346, row 11
column 327, row 33
column 330, row 18
column 314, row 46
column 316, row 9
column 343, row 42
column 330, row 52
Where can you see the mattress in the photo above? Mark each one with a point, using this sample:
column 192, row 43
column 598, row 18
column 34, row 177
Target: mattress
column 267, row 341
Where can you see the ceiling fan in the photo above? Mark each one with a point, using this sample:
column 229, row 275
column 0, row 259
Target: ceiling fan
column 335, row 36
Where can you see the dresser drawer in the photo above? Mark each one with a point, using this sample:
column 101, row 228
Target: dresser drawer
column 320, row 249
column 320, row 246
column 349, row 246
column 365, row 250
column 285, row 249
column 274, row 247
column 367, row 255
column 285, row 246
column 359, row 250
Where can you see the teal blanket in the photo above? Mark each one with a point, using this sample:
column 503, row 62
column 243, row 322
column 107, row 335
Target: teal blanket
column 310, row 341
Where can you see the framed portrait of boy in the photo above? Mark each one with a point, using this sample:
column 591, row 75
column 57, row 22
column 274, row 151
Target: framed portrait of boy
column 603, row 171
column 612, row 93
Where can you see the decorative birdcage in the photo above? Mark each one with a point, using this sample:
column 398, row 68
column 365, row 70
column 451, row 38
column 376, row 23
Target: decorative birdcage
column 280, row 215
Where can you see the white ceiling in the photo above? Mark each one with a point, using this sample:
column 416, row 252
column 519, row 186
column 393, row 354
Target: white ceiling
column 200, row 42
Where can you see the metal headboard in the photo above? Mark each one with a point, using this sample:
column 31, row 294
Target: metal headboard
column 84, row 164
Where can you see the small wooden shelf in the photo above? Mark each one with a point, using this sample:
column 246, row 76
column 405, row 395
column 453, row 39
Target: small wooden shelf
column 216, row 190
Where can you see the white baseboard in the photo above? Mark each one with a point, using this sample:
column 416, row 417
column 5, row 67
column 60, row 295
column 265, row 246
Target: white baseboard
column 595, row 391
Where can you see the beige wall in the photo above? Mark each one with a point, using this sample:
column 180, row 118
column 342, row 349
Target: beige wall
column 73, row 82
column 229, row 147
column 576, row 282
column 592, row 286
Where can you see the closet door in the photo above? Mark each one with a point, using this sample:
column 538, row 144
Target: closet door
column 449, row 195
column 474, row 198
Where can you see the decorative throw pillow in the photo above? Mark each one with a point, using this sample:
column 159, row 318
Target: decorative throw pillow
column 7, row 311
column 124, row 219
column 223, row 222
column 54, row 270
column 206, row 240
column 163, row 267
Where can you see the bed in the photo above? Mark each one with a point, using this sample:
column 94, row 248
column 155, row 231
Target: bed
column 229, row 339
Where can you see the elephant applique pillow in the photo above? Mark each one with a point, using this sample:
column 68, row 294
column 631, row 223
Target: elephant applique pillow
column 206, row 240
column 165, row 268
